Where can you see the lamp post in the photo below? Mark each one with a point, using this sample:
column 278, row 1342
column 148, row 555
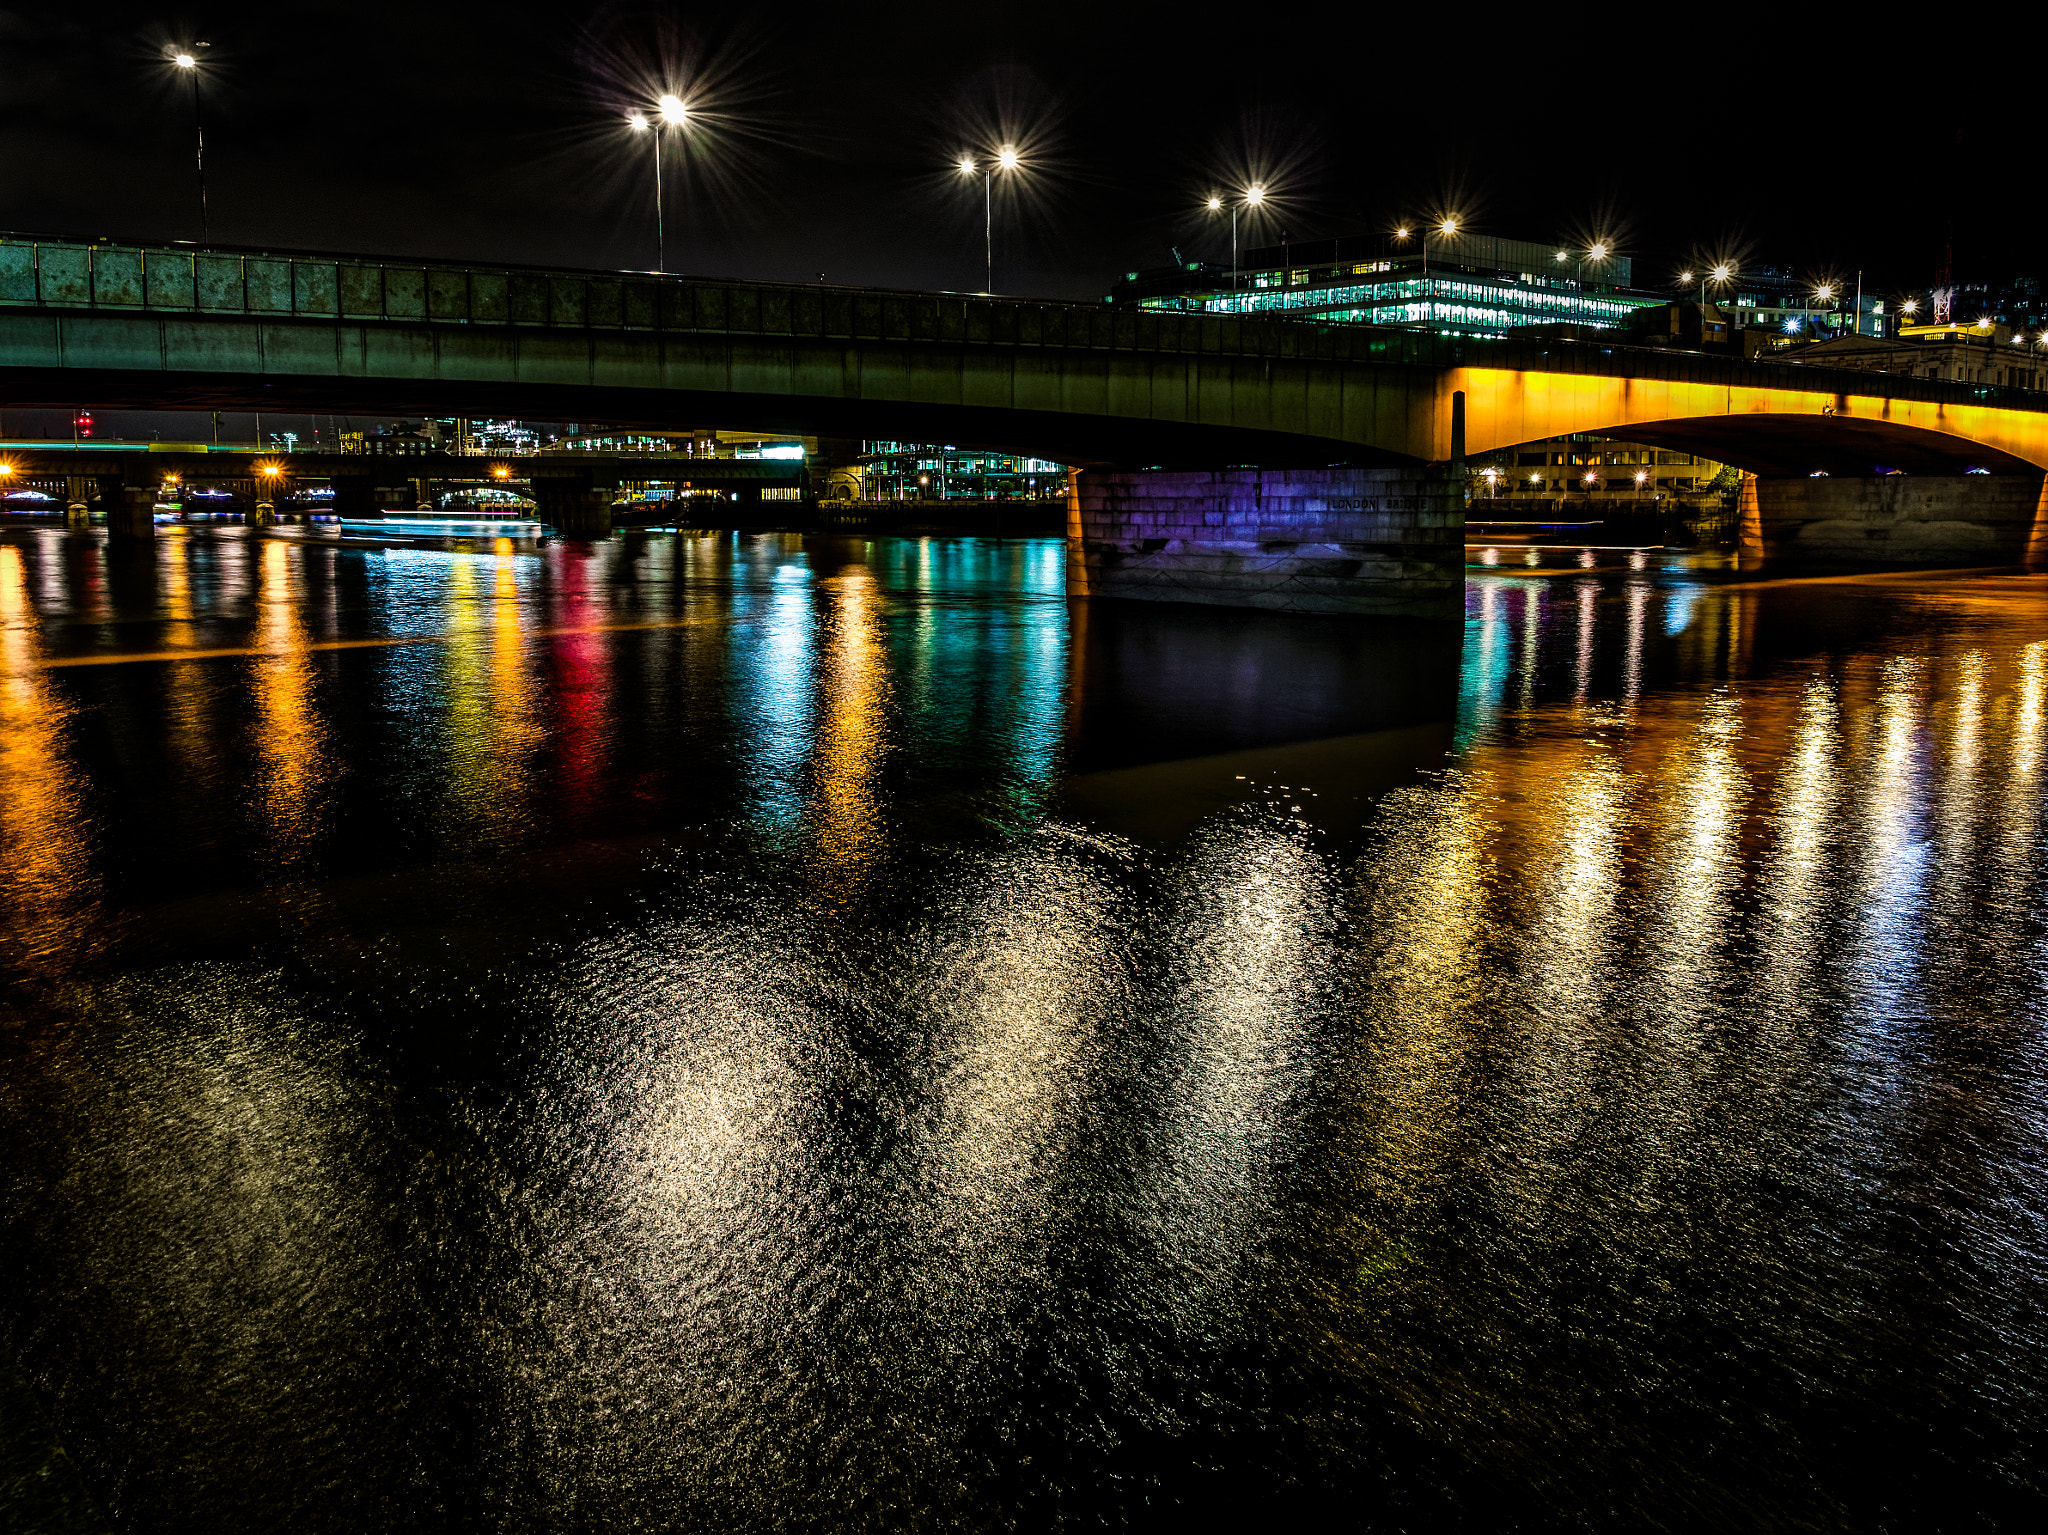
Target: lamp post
column 1004, row 160
column 187, row 59
column 1824, row 294
column 1253, row 196
column 1718, row 276
column 1596, row 252
column 671, row 112
column 1447, row 227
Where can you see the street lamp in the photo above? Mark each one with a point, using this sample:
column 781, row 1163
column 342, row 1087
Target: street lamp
column 1447, row 227
column 1005, row 160
column 187, row 59
column 1595, row 253
column 669, row 112
column 1254, row 195
column 1718, row 276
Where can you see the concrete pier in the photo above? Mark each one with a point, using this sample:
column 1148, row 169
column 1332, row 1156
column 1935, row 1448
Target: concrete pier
column 573, row 509
column 131, row 512
column 1905, row 521
column 356, row 499
column 1385, row 541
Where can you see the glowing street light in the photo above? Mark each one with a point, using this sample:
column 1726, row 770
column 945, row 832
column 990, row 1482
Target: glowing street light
column 1252, row 197
column 1005, row 160
column 1718, row 275
column 1446, row 227
column 669, row 112
column 187, row 59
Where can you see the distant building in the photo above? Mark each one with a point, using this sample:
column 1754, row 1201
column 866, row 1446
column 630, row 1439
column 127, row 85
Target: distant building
column 1588, row 467
column 1971, row 354
column 919, row 471
column 1462, row 285
column 1772, row 299
column 2017, row 302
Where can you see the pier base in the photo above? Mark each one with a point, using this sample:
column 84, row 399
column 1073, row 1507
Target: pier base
column 574, row 511
column 1900, row 521
column 132, row 512
column 1382, row 541
column 356, row 500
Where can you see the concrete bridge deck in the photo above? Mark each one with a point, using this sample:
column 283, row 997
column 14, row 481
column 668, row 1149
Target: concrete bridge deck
column 174, row 326
column 1118, row 391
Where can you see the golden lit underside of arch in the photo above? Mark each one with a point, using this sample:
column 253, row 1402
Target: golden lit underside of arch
column 1766, row 431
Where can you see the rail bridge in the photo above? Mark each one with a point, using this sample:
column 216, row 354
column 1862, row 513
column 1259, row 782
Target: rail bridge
column 1266, row 434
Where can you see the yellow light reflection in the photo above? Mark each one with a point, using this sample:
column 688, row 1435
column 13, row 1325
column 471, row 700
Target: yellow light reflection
column 290, row 737
column 485, row 681
column 845, row 814
column 51, row 899
column 189, row 689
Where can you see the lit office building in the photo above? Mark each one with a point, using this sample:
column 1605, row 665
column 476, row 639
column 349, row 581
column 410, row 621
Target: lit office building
column 919, row 471
column 1461, row 285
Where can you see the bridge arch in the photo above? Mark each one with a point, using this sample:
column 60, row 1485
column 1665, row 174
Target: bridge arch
column 1768, row 430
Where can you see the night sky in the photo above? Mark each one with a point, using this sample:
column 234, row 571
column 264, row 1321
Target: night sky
column 830, row 133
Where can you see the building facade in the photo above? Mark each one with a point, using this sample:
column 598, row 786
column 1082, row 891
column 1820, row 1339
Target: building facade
column 922, row 471
column 1585, row 468
column 1970, row 354
column 1460, row 285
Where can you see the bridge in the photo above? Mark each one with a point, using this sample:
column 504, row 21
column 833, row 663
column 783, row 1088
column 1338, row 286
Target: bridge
column 1119, row 392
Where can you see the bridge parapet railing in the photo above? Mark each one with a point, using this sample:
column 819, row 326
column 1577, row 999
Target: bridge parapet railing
column 52, row 273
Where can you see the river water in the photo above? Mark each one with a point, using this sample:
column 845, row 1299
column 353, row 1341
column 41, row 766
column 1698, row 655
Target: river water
column 744, row 1032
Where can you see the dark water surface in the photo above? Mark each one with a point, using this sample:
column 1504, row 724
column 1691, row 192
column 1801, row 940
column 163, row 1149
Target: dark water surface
column 742, row 1032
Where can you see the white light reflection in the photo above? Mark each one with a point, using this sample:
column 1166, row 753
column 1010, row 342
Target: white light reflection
column 1532, row 631
column 1565, row 979
column 1797, row 883
column 1017, row 989
column 1632, row 656
column 1245, row 928
column 1885, row 962
column 1961, row 766
column 675, row 1243
column 1582, row 671
column 1689, row 920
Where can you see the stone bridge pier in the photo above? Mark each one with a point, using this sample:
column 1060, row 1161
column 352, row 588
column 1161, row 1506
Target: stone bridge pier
column 1901, row 521
column 573, row 507
column 1375, row 541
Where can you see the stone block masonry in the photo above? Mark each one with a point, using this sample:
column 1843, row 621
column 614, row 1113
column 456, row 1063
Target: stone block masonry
column 1373, row 541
